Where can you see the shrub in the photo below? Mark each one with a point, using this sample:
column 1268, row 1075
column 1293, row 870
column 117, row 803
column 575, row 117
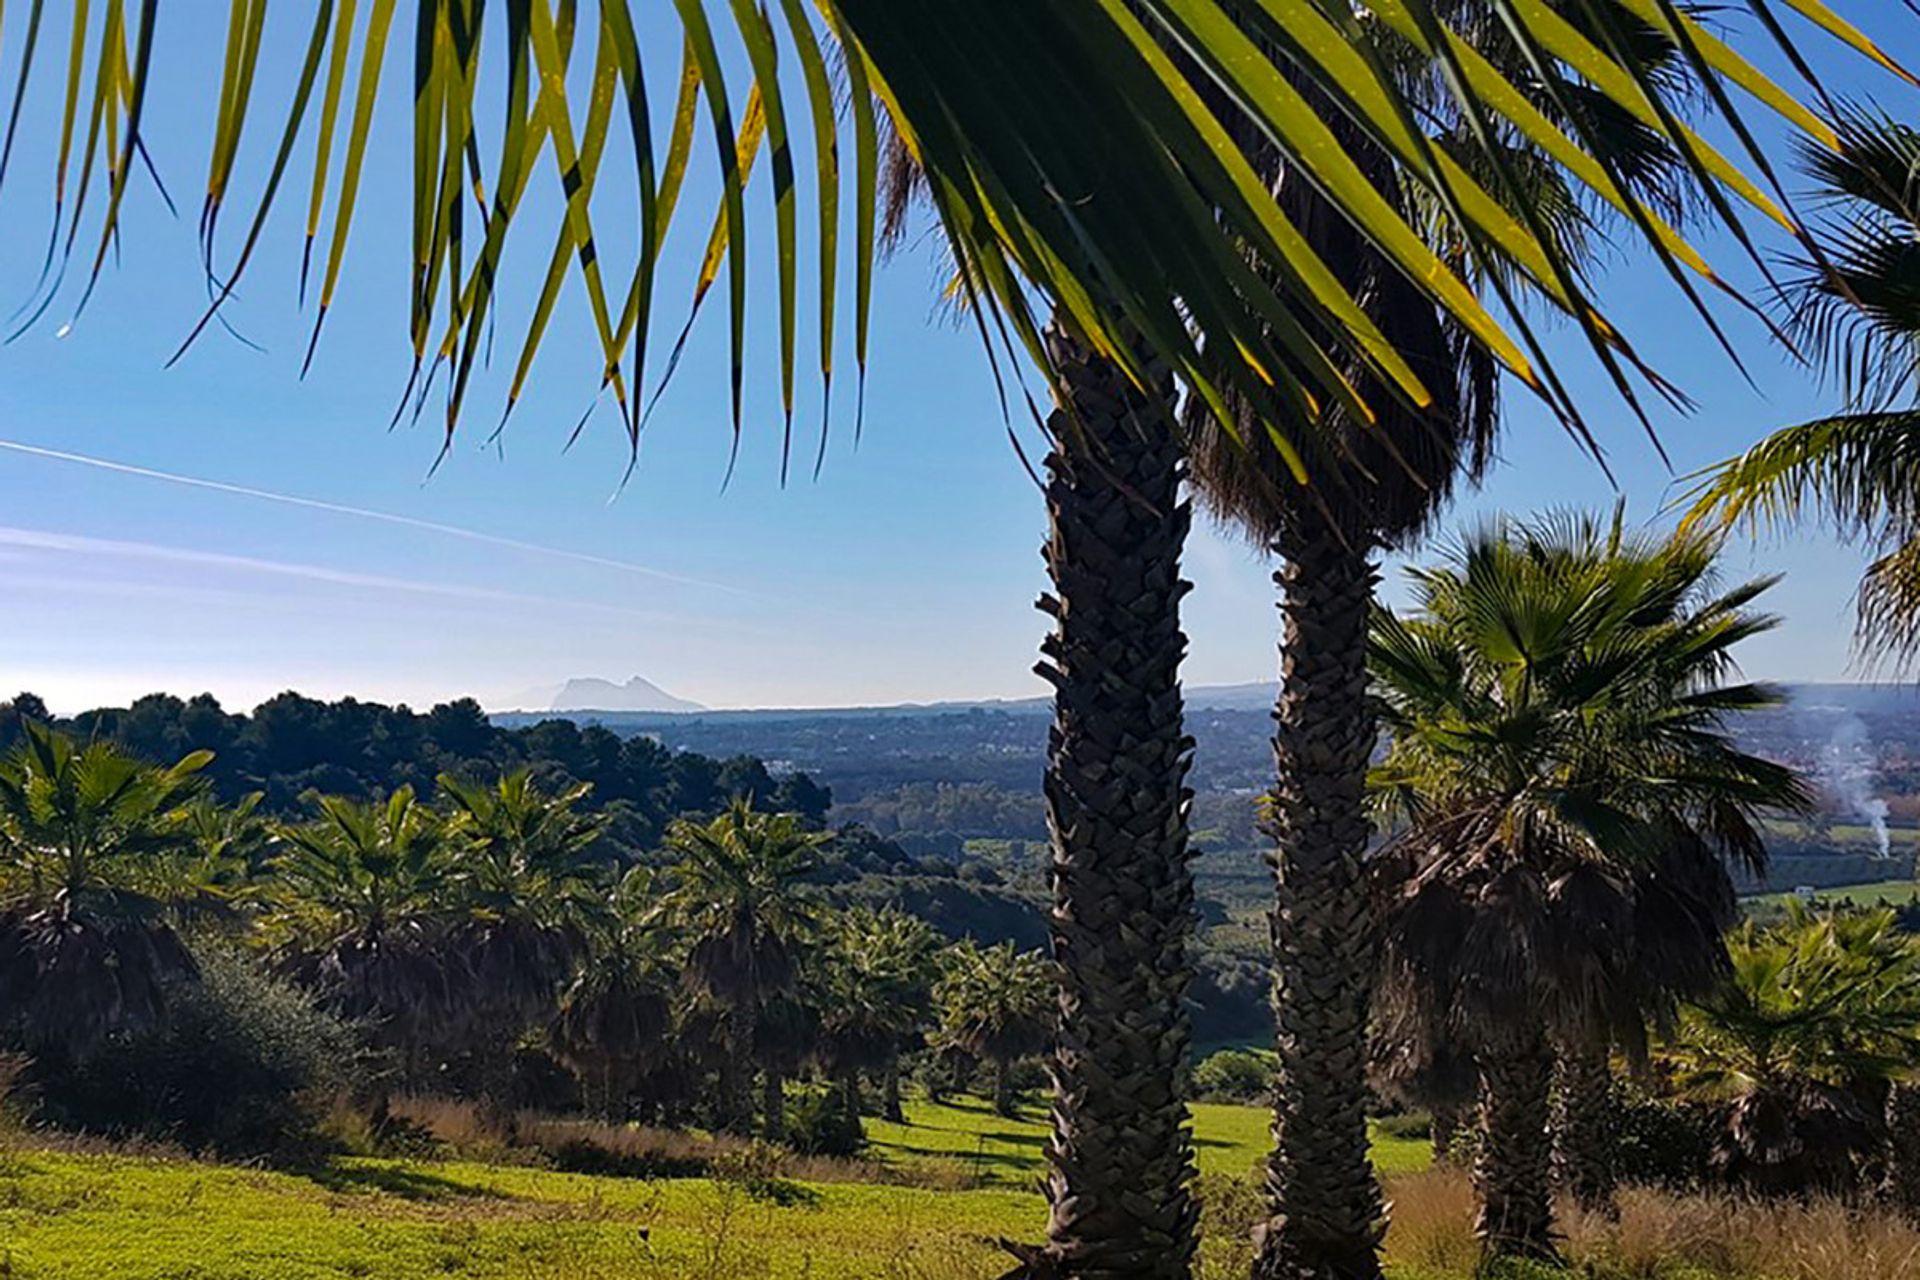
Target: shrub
column 1233, row 1075
column 1416, row 1125
column 246, row 1066
column 1660, row 1141
column 818, row 1124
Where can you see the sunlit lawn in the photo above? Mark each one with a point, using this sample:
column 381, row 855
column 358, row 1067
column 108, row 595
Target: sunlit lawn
column 1228, row 1139
column 68, row 1216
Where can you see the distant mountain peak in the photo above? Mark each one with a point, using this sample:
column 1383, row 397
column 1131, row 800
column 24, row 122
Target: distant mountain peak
column 591, row 693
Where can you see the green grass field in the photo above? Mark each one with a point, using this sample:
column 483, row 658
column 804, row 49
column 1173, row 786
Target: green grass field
column 67, row 1216
column 1228, row 1139
column 1885, row 893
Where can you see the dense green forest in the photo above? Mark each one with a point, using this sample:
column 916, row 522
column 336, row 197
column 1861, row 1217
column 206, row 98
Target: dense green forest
column 935, row 853
column 292, row 745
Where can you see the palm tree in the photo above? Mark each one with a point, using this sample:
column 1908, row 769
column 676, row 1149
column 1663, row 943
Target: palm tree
column 523, row 871
column 1134, row 244
column 874, row 997
column 1816, row 1017
column 1852, row 306
column 88, row 836
column 618, row 1008
column 361, row 912
column 996, row 1005
column 1381, row 473
column 738, row 896
column 1122, row 891
column 1568, row 801
column 223, row 873
column 997, row 102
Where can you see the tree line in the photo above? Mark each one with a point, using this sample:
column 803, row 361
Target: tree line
column 454, row 936
column 291, row 745
column 1290, row 240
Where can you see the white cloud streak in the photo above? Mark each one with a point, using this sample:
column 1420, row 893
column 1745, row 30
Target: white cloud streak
column 75, row 544
column 363, row 513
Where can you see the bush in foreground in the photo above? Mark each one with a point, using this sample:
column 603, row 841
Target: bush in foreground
column 246, row 1066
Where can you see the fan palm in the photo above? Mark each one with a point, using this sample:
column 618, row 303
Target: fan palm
column 361, row 901
column 1568, row 799
column 224, row 871
column 618, row 1008
column 996, row 1004
column 1858, row 308
column 1136, row 241
column 1814, row 1017
column 738, row 897
column 1380, row 476
column 88, row 835
column 875, row 998
column 524, row 868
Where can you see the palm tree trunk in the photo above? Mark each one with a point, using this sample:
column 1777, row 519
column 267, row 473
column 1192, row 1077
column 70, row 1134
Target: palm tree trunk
column 1003, row 1098
column 1445, row 1133
column 1582, row 1129
column 773, row 1108
column 850, row 1103
column 1514, row 1170
column 1121, row 1155
column 496, row 1091
column 736, row 1096
column 1327, row 1215
column 890, row 1092
column 1903, row 1150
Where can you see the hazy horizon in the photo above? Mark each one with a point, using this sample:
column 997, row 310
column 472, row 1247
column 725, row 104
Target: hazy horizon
column 226, row 526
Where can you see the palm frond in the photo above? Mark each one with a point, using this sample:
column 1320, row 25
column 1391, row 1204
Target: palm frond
column 1075, row 164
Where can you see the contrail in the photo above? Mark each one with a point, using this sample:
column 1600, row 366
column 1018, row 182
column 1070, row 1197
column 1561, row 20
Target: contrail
column 364, row 513
column 43, row 540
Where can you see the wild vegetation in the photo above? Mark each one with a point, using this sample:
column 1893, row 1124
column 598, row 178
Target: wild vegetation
column 1288, row 251
column 483, row 974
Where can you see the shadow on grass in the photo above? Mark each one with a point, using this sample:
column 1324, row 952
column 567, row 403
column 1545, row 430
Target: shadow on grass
column 947, row 1155
column 397, row 1180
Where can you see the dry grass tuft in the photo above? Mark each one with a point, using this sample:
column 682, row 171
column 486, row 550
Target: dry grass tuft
column 1659, row 1234
column 579, row 1145
column 1431, row 1217
column 1662, row 1236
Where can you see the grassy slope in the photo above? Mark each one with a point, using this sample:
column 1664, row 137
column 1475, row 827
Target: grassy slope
column 74, row 1217
column 1887, row 893
column 1228, row 1139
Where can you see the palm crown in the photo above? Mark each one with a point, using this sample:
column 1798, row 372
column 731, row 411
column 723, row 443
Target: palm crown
column 1857, row 307
column 81, row 818
column 89, row 845
column 737, row 895
column 366, row 868
column 1816, row 1016
column 1569, row 800
column 1561, row 771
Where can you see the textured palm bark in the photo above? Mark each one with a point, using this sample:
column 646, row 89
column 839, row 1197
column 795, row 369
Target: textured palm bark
column 851, row 1103
column 1006, row 1101
column 736, row 1095
column 1514, row 1170
column 1117, row 803
column 1583, row 1128
column 1445, row 1132
column 1903, row 1150
column 773, row 1107
column 1327, row 1214
column 890, row 1092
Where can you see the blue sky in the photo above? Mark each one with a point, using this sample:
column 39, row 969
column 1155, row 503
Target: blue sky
column 907, row 572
